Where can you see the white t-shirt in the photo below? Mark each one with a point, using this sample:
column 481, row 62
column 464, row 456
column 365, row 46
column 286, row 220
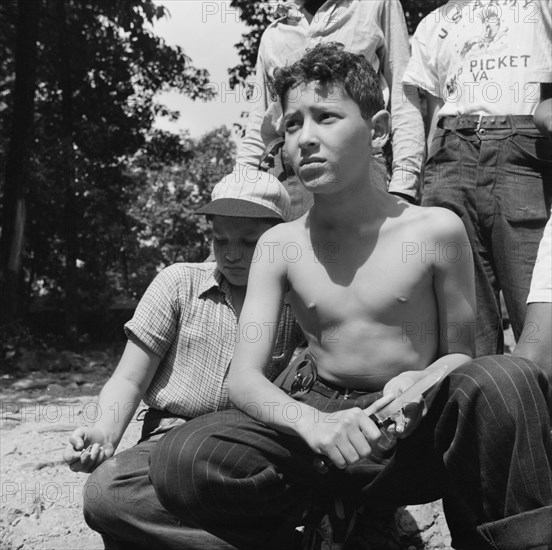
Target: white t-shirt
column 541, row 282
column 482, row 56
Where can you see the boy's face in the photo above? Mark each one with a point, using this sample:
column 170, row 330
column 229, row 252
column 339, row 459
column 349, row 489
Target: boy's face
column 326, row 138
column 234, row 241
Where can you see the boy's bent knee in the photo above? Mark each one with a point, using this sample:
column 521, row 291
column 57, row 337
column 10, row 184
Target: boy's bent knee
column 504, row 378
column 99, row 494
column 171, row 471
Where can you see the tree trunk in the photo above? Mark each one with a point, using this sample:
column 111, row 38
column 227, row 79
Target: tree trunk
column 12, row 243
column 68, row 180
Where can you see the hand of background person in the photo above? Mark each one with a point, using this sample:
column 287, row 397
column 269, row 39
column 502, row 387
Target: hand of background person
column 87, row 449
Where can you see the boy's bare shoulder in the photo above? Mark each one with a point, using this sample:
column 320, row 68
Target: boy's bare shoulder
column 285, row 232
column 434, row 222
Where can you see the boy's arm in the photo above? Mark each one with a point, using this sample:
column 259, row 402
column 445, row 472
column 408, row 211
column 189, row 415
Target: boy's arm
column 406, row 119
column 454, row 289
column 117, row 403
column 248, row 387
column 344, row 437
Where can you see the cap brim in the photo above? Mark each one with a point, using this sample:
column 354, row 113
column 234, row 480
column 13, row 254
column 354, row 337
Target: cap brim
column 237, row 208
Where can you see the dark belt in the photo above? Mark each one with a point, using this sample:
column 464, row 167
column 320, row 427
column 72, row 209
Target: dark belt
column 327, row 389
column 307, row 380
column 157, row 422
column 479, row 122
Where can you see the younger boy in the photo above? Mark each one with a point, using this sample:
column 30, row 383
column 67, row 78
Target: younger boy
column 181, row 340
column 384, row 292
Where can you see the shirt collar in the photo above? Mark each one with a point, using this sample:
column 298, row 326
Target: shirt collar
column 215, row 281
column 293, row 10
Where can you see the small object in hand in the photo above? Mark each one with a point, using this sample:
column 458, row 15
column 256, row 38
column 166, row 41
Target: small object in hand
column 86, row 449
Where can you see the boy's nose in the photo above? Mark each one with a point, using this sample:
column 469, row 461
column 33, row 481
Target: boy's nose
column 233, row 254
column 308, row 138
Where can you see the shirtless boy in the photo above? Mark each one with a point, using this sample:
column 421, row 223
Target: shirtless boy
column 383, row 301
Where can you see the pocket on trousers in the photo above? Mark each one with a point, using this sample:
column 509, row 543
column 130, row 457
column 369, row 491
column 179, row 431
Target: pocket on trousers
column 527, row 195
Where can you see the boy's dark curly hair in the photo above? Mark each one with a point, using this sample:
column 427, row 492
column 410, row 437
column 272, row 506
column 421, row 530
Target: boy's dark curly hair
column 330, row 64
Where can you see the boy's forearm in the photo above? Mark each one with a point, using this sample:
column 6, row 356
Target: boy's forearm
column 255, row 395
column 117, row 403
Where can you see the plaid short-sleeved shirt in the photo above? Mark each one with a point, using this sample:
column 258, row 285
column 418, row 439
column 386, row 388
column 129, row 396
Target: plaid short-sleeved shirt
column 186, row 317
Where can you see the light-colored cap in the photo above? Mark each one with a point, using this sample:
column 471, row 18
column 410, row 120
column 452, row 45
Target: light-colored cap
column 248, row 193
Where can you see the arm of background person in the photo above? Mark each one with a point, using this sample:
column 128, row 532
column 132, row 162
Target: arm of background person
column 434, row 104
column 406, row 118
column 251, row 147
column 535, row 342
column 543, row 112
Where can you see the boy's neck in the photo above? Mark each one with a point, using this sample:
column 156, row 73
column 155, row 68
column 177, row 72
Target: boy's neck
column 352, row 207
column 310, row 7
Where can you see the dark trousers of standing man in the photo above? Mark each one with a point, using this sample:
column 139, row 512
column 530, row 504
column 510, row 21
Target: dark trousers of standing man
column 496, row 174
column 485, row 446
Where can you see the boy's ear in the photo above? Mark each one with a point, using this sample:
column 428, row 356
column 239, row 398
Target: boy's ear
column 381, row 127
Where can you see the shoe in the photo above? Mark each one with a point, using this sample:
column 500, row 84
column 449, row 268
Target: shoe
column 326, row 527
column 374, row 532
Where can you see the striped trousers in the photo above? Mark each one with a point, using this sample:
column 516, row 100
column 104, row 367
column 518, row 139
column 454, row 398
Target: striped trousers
column 484, row 446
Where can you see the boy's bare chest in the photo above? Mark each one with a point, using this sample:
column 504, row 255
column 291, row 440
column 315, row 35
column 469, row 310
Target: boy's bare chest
column 372, row 282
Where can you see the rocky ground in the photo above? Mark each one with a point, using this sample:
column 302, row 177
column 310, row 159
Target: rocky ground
column 41, row 498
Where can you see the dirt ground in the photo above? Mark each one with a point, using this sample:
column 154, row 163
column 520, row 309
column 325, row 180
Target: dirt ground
column 41, row 498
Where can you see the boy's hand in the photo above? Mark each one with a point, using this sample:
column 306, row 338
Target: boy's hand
column 345, row 437
column 87, row 449
column 413, row 412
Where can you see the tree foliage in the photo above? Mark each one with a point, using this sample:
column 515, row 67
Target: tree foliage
column 161, row 225
column 111, row 68
column 258, row 14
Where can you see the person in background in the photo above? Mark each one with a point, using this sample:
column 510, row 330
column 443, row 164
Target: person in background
column 375, row 29
column 535, row 341
column 180, row 343
column 475, row 61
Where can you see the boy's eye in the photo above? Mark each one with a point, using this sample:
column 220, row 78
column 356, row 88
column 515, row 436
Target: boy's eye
column 219, row 240
column 328, row 117
column 250, row 243
column 291, row 125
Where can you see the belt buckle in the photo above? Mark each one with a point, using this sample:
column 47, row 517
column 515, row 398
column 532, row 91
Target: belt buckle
column 304, row 379
column 479, row 122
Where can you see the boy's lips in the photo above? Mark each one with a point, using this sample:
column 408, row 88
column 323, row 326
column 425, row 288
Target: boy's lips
column 312, row 160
